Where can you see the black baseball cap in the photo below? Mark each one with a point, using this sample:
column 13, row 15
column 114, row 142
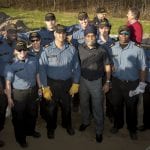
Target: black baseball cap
column 101, row 10
column 11, row 28
column 60, row 28
column 50, row 16
column 34, row 35
column 82, row 15
column 90, row 29
column 123, row 28
column 21, row 45
column 104, row 23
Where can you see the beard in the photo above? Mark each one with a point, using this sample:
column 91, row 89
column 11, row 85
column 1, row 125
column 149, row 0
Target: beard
column 90, row 43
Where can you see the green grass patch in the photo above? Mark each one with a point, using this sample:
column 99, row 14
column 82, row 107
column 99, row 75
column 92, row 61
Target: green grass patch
column 35, row 19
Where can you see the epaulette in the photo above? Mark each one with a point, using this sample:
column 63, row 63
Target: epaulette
column 47, row 45
column 138, row 45
column 112, row 45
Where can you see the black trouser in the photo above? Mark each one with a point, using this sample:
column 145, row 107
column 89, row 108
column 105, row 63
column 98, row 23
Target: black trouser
column 24, row 112
column 3, row 104
column 120, row 96
column 108, row 96
column 146, row 104
column 60, row 90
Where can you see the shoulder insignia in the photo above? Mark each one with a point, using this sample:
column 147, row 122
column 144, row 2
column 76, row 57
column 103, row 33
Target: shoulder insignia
column 112, row 45
column 47, row 45
column 138, row 45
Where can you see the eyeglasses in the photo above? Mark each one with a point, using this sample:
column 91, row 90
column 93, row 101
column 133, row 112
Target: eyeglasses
column 20, row 50
column 35, row 40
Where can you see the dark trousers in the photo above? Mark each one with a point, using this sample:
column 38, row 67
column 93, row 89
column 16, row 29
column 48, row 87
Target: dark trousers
column 3, row 106
column 146, row 104
column 3, row 103
column 60, row 90
column 24, row 112
column 120, row 96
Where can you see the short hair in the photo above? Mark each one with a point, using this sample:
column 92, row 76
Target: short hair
column 135, row 11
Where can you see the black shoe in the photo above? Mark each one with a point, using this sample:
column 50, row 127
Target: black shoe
column 51, row 134
column 83, row 127
column 2, row 143
column 133, row 135
column 23, row 143
column 36, row 134
column 70, row 131
column 114, row 130
column 143, row 128
column 99, row 138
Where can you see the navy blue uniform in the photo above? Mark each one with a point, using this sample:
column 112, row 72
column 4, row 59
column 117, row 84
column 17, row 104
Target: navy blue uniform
column 128, row 62
column 6, row 55
column 59, row 68
column 22, row 75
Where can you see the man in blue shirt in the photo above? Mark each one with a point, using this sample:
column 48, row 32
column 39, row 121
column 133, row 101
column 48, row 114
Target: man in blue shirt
column 6, row 54
column 47, row 34
column 36, row 48
column 21, row 79
column 146, row 95
column 78, row 35
column 60, row 70
column 128, row 72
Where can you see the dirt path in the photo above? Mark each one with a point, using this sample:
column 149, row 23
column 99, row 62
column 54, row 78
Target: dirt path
column 79, row 141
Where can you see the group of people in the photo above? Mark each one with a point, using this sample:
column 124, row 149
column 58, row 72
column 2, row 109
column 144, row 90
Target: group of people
column 58, row 65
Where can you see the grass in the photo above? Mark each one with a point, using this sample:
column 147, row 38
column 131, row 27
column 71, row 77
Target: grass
column 35, row 19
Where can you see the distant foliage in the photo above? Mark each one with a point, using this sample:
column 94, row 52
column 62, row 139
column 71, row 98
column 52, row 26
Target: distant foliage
column 115, row 7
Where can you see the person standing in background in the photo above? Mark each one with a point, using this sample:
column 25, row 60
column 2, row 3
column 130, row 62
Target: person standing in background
column 136, row 29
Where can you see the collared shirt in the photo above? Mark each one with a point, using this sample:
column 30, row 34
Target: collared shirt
column 106, row 44
column 23, row 74
column 59, row 64
column 6, row 55
column 35, row 54
column 128, row 62
column 147, row 53
column 78, row 37
column 93, row 61
column 46, row 36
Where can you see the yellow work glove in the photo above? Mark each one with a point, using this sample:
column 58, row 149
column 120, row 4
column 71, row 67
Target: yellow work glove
column 74, row 89
column 47, row 93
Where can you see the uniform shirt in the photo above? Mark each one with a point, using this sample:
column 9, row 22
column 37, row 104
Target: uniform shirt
column 32, row 53
column 93, row 61
column 46, row 36
column 106, row 44
column 78, row 37
column 23, row 74
column 147, row 53
column 6, row 55
column 59, row 64
column 128, row 62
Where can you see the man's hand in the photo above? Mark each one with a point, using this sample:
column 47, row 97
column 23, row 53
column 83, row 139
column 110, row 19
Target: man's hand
column 106, row 87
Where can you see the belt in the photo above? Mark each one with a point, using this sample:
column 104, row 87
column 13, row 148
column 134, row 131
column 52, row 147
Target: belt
column 126, row 81
column 61, row 81
column 29, row 89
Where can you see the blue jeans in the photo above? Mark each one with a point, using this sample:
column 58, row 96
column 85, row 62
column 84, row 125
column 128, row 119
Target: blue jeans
column 92, row 89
